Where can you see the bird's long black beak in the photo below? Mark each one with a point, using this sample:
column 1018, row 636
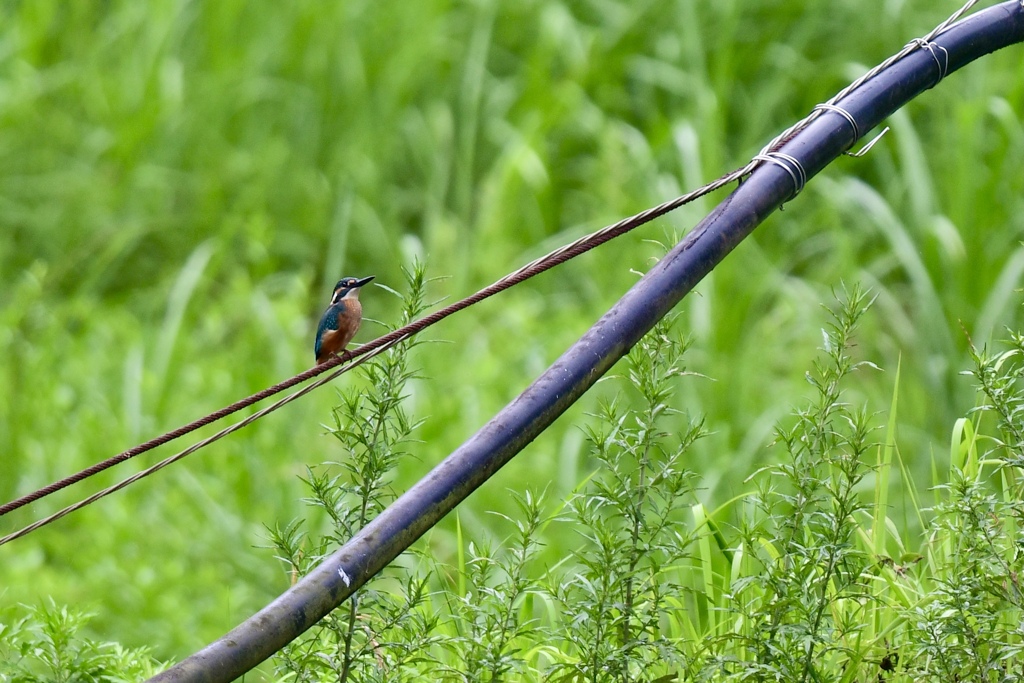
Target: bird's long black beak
column 360, row 283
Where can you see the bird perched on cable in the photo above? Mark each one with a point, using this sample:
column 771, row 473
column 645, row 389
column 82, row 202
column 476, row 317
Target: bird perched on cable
column 341, row 319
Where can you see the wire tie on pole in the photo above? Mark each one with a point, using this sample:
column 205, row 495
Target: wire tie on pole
column 933, row 50
column 827, row 106
column 791, row 165
column 867, row 148
column 845, row 114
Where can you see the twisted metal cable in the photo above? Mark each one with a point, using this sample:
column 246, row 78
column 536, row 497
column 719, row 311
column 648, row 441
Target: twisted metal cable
column 536, row 267
column 191, row 449
column 540, row 265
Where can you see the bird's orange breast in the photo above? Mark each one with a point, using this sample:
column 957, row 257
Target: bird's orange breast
column 350, row 318
column 335, row 341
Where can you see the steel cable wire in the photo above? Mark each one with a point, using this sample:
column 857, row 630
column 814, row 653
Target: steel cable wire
column 540, row 265
column 551, row 260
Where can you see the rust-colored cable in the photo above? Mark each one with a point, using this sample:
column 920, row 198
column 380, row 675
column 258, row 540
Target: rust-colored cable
column 538, row 266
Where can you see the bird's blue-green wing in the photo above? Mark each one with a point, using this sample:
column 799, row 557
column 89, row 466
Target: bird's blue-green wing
column 327, row 323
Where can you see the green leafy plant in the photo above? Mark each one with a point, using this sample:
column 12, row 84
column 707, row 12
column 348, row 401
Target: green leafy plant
column 47, row 646
column 969, row 626
column 799, row 604
column 617, row 589
column 492, row 632
column 377, row 631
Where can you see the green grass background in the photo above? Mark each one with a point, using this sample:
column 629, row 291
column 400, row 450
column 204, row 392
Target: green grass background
column 182, row 182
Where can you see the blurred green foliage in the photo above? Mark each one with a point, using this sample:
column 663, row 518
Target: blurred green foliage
column 182, row 182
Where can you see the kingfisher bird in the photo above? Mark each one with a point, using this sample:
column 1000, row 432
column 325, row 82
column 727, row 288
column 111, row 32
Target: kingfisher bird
column 341, row 319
